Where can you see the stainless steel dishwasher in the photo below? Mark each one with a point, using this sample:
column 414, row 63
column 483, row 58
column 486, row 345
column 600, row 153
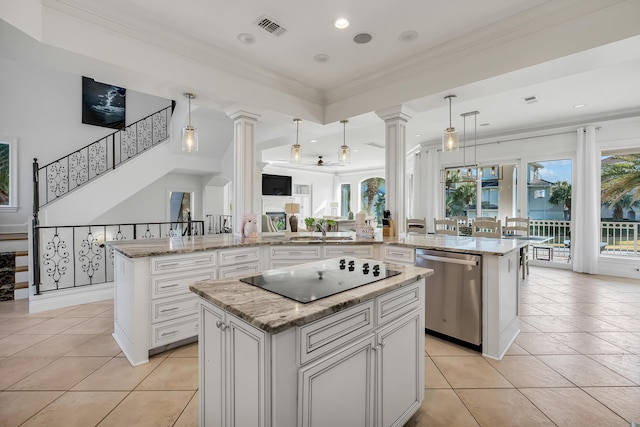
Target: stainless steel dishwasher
column 453, row 294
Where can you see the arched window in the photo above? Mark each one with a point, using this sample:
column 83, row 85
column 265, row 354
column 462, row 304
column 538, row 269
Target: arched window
column 373, row 197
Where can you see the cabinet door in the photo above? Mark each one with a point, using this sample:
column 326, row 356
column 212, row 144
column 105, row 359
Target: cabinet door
column 400, row 368
column 245, row 374
column 212, row 396
column 338, row 390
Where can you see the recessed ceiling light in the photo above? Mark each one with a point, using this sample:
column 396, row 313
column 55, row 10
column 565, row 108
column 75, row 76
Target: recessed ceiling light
column 246, row 38
column 418, row 135
column 484, row 124
column 313, row 140
column 341, row 23
column 407, row 36
column 579, row 105
column 355, row 150
column 322, row 57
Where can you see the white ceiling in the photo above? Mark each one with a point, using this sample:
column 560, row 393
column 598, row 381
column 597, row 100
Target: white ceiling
column 491, row 54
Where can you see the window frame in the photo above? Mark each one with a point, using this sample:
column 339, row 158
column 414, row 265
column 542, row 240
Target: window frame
column 13, row 175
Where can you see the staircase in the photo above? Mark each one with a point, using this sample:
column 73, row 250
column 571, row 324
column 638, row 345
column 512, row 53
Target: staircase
column 14, row 266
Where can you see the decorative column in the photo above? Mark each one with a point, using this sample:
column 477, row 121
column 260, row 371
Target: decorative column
column 247, row 182
column 395, row 120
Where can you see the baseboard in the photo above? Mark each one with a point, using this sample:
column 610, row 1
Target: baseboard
column 21, row 293
column 70, row 297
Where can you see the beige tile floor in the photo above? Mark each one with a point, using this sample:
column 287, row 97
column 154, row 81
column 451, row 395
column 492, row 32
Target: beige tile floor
column 576, row 362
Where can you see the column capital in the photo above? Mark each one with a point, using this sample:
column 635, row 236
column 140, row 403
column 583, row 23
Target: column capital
column 396, row 112
column 237, row 111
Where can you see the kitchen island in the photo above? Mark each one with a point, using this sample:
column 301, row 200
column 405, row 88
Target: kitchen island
column 352, row 358
column 154, row 309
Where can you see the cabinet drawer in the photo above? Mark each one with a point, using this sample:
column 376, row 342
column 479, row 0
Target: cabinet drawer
column 398, row 303
column 325, row 335
column 358, row 251
column 176, row 284
column 174, row 330
column 398, row 254
column 235, row 256
column 184, row 262
column 171, row 308
column 310, row 252
column 239, row 270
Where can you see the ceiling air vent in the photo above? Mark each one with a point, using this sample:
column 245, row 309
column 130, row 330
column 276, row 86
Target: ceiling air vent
column 375, row 144
column 530, row 100
column 270, row 26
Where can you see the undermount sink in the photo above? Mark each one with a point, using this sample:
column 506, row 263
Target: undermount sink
column 320, row 238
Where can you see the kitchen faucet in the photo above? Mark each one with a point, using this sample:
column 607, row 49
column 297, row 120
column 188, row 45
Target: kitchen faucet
column 320, row 227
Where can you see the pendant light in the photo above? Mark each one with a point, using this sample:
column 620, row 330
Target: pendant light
column 344, row 152
column 296, row 149
column 189, row 133
column 474, row 165
column 450, row 140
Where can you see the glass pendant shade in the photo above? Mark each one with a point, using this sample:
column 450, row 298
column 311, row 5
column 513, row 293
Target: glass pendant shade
column 296, row 153
column 189, row 139
column 344, row 152
column 296, row 149
column 189, row 133
column 450, row 140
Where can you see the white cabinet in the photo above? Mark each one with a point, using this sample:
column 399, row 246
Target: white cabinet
column 380, row 374
column 357, row 251
column 153, row 307
column 400, row 370
column 398, row 254
column 339, row 390
column 233, row 371
column 363, row 366
column 285, row 255
column 238, row 262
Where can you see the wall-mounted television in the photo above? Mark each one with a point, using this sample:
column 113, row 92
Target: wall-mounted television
column 276, row 185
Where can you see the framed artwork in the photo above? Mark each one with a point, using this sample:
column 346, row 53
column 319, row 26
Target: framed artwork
column 8, row 176
column 103, row 104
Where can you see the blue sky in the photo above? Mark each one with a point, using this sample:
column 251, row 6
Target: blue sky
column 556, row 170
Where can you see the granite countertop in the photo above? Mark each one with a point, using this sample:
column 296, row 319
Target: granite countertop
column 171, row 246
column 273, row 313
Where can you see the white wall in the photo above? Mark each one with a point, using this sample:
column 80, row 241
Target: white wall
column 152, row 203
column 322, row 191
column 42, row 108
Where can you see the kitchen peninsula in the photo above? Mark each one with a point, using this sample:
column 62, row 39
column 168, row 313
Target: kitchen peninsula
column 154, row 309
column 355, row 357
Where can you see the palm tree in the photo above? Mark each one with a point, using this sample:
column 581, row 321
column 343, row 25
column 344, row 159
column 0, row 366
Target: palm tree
column 464, row 194
column 620, row 177
column 371, row 187
column 561, row 196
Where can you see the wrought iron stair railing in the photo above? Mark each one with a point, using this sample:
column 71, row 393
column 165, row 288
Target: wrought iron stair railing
column 72, row 256
column 58, row 178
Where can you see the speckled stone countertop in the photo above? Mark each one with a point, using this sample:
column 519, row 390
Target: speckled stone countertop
column 156, row 247
column 273, row 313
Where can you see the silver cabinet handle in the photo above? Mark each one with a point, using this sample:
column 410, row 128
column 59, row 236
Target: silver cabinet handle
column 220, row 324
column 168, row 264
column 241, row 256
column 169, row 333
column 448, row 260
column 171, row 286
column 169, row 309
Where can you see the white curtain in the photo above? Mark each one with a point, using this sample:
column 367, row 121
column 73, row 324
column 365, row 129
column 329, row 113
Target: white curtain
column 585, row 240
column 433, row 196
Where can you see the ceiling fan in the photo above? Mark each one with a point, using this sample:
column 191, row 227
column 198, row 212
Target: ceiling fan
column 322, row 162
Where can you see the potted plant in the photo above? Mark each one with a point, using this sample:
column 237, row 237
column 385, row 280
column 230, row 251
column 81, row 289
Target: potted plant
column 308, row 222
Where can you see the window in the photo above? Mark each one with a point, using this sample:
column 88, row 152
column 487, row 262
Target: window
column 345, row 200
column 8, row 176
column 549, row 190
column 373, row 200
column 620, row 202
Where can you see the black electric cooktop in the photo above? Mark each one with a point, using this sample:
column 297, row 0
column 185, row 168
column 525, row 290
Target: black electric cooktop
column 310, row 282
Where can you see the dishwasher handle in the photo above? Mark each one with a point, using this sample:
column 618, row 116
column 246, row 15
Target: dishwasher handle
column 449, row 260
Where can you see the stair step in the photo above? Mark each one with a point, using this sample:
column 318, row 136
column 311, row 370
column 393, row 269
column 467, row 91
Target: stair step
column 14, row 236
column 22, row 253
column 22, row 285
column 21, row 268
